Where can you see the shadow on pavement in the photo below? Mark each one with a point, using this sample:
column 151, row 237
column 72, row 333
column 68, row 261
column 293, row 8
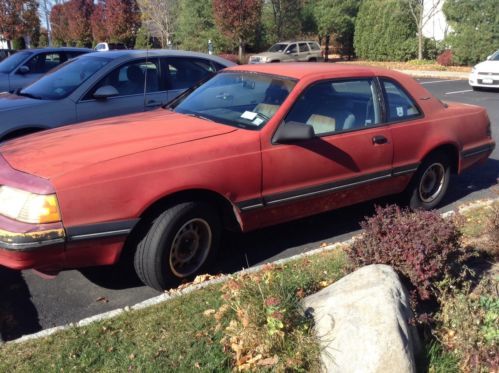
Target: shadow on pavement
column 18, row 315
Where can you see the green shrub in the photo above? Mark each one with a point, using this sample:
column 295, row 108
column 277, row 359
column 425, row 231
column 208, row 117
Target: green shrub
column 420, row 245
column 385, row 31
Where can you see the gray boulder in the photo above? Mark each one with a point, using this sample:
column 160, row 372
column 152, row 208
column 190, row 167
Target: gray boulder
column 362, row 322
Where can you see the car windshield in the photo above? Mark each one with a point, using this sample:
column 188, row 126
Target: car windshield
column 494, row 57
column 62, row 81
column 10, row 63
column 240, row 99
column 279, row 47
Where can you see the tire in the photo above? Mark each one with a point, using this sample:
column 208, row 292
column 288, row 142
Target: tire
column 180, row 243
column 312, row 60
column 430, row 182
column 476, row 88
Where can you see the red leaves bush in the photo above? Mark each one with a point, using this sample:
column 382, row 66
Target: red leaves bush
column 445, row 58
column 419, row 245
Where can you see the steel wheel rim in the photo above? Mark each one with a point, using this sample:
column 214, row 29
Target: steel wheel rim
column 432, row 183
column 190, row 247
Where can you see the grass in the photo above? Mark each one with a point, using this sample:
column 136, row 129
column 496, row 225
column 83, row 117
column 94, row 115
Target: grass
column 252, row 322
column 423, row 65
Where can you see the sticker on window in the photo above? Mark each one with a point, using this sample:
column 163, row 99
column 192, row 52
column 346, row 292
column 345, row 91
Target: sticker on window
column 400, row 111
column 257, row 121
column 249, row 115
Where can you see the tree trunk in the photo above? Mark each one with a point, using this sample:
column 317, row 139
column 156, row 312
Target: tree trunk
column 241, row 50
column 326, row 52
column 420, row 39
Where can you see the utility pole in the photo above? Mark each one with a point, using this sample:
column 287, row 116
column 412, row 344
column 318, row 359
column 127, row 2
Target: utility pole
column 47, row 21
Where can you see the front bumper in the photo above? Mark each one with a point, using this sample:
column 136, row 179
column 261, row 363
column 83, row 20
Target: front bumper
column 478, row 79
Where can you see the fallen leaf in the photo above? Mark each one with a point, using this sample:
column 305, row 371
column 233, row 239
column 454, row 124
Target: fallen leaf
column 209, row 312
column 102, row 300
column 131, row 356
column 270, row 361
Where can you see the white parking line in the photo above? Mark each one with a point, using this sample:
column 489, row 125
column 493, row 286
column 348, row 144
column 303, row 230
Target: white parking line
column 451, row 93
column 437, row 81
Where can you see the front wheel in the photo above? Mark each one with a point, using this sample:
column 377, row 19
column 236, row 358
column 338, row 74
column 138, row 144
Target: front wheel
column 430, row 182
column 179, row 244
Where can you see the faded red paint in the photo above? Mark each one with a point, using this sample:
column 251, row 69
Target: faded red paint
column 115, row 169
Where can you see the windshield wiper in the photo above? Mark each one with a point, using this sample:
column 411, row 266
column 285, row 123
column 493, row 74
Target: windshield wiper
column 26, row 94
column 198, row 116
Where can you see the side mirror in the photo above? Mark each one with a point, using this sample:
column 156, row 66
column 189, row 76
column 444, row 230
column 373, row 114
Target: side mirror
column 105, row 92
column 288, row 51
column 293, row 131
column 488, row 57
column 23, row 70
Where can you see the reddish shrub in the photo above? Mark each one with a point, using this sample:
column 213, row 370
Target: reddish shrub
column 445, row 58
column 420, row 245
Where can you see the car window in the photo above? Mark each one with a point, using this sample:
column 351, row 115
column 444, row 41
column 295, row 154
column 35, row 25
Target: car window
column 132, row 78
column 43, row 62
column 303, row 47
column 65, row 78
column 183, row 73
column 10, row 63
column 292, row 49
column 399, row 105
column 314, row 46
column 337, row 106
column 246, row 100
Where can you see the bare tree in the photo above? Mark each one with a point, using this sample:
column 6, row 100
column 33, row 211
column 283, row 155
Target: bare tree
column 160, row 17
column 422, row 11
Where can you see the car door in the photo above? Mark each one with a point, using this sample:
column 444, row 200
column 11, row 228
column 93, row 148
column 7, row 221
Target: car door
column 38, row 65
column 304, row 52
column 138, row 87
column 348, row 161
column 291, row 53
column 181, row 73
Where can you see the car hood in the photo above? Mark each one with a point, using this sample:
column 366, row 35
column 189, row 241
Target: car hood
column 488, row 67
column 66, row 149
column 269, row 54
column 12, row 102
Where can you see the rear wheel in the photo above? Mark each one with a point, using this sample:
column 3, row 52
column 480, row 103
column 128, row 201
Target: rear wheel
column 179, row 244
column 430, row 182
column 312, row 60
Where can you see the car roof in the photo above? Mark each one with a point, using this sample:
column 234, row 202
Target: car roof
column 309, row 69
column 57, row 49
column 137, row 53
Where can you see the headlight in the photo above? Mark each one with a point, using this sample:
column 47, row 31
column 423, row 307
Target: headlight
column 473, row 69
column 28, row 207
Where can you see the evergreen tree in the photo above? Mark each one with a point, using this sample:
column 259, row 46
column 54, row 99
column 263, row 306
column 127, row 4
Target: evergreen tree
column 476, row 29
column 384, row 30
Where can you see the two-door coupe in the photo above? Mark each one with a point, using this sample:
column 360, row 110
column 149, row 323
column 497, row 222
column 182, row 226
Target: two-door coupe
column 254, row 146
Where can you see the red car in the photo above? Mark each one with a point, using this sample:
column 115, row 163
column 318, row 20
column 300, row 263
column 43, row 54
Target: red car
column 254, row 146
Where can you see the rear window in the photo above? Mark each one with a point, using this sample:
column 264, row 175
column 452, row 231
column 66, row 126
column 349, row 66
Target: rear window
column 314, row 46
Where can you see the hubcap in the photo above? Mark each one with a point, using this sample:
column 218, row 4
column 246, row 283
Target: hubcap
column 432, row 183
column 190, row 247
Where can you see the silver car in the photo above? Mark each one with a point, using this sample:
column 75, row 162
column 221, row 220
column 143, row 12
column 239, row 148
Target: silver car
column 100, row 85
column 289, row 51
column 26, row 66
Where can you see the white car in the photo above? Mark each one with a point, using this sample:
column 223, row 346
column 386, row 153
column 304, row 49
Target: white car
column 486, row 74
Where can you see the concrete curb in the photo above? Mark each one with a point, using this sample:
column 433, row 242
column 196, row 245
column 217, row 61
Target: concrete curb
column 175, row 293
column 454, row 75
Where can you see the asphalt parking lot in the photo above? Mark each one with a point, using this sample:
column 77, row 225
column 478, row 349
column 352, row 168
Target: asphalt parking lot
column 29, row 303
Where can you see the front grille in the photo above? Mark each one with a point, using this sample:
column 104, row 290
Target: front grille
column 480, row 81
column 487, row 73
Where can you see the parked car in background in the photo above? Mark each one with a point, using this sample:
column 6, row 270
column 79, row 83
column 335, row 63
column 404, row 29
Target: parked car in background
column 4, row 53
column 105, row 47
column 100, row 85
column 254, row 146
column 26, row 66
column 486, row 74
column 303, row 51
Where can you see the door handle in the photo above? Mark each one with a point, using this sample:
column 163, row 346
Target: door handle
column 380, row 140
column 153, row 103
